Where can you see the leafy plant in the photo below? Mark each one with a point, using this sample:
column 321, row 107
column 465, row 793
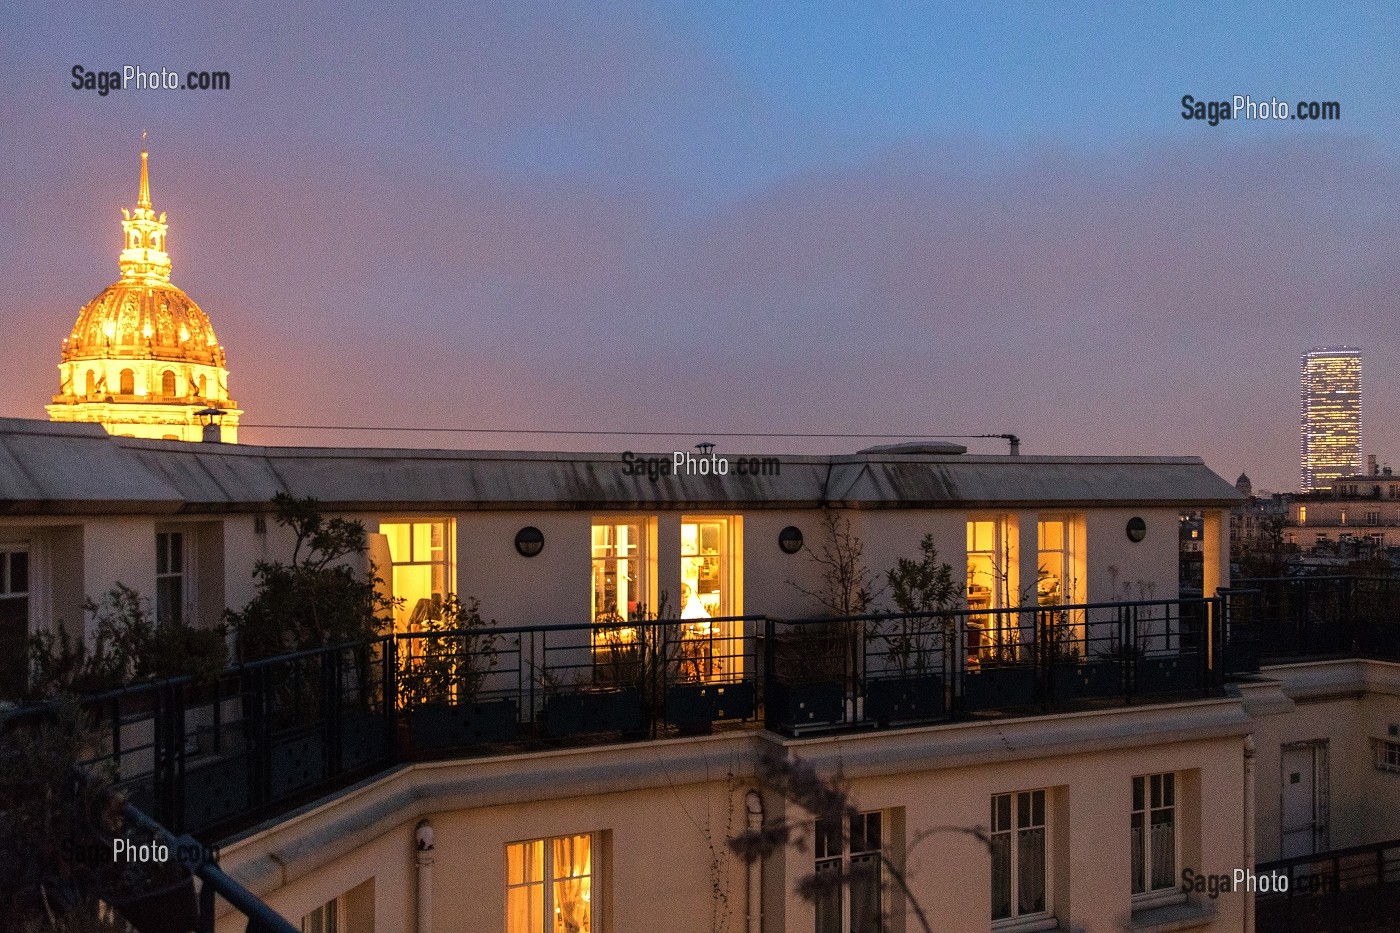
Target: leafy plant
column 452, row 656
column 128, row 646
column 317, row 598
column 926, row 595
column 50, row 815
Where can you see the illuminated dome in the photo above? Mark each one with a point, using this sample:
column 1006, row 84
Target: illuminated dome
column 140, row 320
column 142, row 360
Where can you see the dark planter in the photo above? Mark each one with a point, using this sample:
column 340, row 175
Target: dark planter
column 690, row 705
column 999, row 687
column 794, row 706
column 894, row 699
column 1168, row 674
column 216, row 791
column 1241, row 656
column 586, row 711
column 364, row 740
column 297, row 763
column 169, row 909
column 445, row 725
column 1082, row 680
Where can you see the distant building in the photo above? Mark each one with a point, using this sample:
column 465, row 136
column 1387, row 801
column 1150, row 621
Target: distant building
column 1331, row 416
column 1360, row 512
column 1244, row 486
column 142, row 359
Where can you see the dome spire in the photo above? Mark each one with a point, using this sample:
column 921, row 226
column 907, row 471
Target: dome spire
column 143, row 198
column 143, row 254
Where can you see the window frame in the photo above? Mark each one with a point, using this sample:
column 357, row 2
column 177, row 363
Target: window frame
column 547, row 881
column 404, row 615
column 1170, row 892
column 842, row 861
column 172, row 541
column 645, row 559
column 1016, row 918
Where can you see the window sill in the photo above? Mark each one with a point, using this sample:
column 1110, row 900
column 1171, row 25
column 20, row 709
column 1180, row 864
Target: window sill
column 1035, row 924
column 1172, row 917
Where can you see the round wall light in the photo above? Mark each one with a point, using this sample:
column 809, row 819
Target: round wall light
column 1137, row 529
column 790, row 539
column 529, row 541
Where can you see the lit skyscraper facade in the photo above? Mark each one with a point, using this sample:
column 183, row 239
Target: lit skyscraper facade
column 1331, row 422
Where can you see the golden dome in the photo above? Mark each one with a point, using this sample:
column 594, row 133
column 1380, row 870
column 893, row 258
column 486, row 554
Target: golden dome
column 141, row 319
column 142, row 360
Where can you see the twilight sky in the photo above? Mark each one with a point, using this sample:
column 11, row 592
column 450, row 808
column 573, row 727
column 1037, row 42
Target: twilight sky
column 729, row 217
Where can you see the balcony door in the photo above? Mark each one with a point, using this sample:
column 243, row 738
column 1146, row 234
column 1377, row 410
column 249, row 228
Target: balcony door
column 14, row 621
column 1304, row 798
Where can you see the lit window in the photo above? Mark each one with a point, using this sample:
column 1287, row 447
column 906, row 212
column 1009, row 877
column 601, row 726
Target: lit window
column 14, row 621
column 1057, row 583
column 421, row 554
column 549, row 885
column 1302, row 515
column 989, row 586
column 711, row 587
column 1018, row 846
column 851, row 847
column 621, row 561
column 1154, row 833
column 170, row 576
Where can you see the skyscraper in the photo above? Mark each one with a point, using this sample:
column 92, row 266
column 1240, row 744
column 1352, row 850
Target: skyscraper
column 1331, row 409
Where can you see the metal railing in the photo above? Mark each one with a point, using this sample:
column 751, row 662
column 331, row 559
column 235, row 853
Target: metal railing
column 1343, row 890
column 1310, row 616
column 211, row 757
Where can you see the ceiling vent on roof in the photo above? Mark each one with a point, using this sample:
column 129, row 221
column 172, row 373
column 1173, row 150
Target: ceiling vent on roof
column 917, row 447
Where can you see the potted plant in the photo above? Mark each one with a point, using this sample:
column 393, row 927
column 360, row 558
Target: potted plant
column 444, row 670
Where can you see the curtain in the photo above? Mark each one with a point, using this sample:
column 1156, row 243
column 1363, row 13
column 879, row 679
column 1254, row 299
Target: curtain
column 573, row 883
column 1030, row 859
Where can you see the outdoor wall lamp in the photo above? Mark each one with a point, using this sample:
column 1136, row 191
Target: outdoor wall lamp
column 790, row 539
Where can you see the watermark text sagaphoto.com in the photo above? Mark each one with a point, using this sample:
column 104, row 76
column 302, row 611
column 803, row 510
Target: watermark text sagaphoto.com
column 1245, row 107
column 137, row 78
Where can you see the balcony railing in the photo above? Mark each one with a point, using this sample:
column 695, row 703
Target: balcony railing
column 1310, row 616
column 1342, row 891
column 266, row 736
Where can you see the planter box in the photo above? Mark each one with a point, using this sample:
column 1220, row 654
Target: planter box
column 445, row 725
column 1241, row 656
column 216, row 791
column 1082, row 680
column 893, row 699
column 364, row 740
column 171, row 909
column 615, row 710
column 297, row 764
column 1168, row 674
column 998, row 688
column 702, row 704
column 794, row 706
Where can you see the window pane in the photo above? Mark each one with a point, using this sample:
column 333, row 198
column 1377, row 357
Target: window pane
column 866, row 915
column 19, row 572
column 1030, row 864
column 828, row 841
column 1139, row 862
column 525, row 909
column 1163, row 850
column 572, row 869
column 169, row 598
column 828, row 899
column 398, row 542
column 1001, row 876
